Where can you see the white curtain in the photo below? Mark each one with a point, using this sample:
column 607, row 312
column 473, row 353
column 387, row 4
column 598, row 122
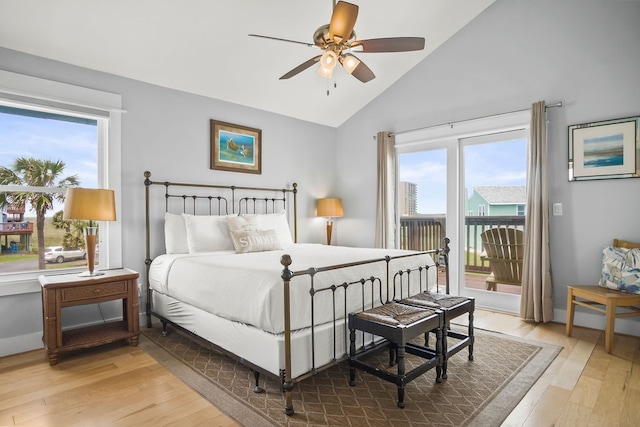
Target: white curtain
column 385, row 206
column 536, row 303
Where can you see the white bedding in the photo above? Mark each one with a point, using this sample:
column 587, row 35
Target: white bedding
column 247, row 288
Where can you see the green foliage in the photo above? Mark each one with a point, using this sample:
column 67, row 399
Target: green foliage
column 74, row 230
column 32, row 172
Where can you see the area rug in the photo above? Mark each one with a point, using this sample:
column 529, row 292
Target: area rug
column 481, row 392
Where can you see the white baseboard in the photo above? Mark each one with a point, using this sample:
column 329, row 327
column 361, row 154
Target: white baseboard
column 33, row 341
column 20, row 344
column 593, row 320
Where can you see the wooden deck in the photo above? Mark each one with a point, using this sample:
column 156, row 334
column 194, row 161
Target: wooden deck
column 478, row 281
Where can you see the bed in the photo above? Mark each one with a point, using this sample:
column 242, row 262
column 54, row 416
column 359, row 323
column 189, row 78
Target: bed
column 230, row 272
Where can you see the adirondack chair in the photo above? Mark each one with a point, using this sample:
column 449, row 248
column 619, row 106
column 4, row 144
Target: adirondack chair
column 504, row 249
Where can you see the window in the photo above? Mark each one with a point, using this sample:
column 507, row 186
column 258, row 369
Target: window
column 472, row 166
column 69, row 133
column 520, row 210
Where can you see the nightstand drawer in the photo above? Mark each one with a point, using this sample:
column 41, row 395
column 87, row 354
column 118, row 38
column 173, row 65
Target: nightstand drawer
column 94, row 291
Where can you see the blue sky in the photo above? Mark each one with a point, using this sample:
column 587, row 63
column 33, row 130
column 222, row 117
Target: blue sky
column 73, row 143
column 497, row 163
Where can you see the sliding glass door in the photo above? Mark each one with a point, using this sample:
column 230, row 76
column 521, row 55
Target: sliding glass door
column 459, row 186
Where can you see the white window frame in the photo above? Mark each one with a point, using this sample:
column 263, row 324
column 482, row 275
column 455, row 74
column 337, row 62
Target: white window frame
column 20, row 91
column 448, row 136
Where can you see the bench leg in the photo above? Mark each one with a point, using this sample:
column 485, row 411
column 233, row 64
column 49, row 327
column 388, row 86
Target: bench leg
column 393, row 356
column 441, row 354
column 470, row 334
column 443, row 351
column 610, row 327
column 400, row 361
column 570, row 311
column 352, row 353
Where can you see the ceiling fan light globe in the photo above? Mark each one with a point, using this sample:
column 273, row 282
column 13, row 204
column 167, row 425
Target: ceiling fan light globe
column 325, row 72
column 349, row 62
column 329, row 59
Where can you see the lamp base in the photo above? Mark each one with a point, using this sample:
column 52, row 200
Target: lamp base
column 91, row 274
column 90, row 239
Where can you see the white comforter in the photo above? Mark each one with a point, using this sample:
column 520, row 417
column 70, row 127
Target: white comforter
column 248, row 287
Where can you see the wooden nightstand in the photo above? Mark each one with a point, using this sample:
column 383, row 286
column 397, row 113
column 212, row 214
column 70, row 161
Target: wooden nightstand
column 65, row 290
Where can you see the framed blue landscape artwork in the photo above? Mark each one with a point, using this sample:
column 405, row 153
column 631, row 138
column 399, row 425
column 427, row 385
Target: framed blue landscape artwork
column 236, row 148
column 606, row 149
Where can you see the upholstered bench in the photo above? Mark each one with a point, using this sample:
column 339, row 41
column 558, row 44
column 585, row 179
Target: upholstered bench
column 452, row 307
column 398, row 324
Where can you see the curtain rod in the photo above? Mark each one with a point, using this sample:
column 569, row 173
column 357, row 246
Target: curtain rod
column 557, row 104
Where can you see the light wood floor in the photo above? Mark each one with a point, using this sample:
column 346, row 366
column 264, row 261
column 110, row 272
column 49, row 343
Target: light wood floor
column 122, row 385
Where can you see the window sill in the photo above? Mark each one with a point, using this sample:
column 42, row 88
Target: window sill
column 27, row 283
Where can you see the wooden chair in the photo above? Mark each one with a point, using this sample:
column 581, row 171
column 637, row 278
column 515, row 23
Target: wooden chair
column 605, row 301
column 504, row 249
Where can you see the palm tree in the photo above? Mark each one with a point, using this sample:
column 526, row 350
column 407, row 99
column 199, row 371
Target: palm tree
column 74, row 236
column 34, row 172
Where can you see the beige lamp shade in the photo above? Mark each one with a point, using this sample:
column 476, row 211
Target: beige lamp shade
column 94, row 204
column 330, row 207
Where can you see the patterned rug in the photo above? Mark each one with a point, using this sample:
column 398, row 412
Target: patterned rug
column 479, row 393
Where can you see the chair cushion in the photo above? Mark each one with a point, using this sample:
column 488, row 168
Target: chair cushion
column 395, row 314
column 621, row 269
column 434, row 300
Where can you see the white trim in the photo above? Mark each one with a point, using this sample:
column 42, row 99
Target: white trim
column 22, row 188
column 60, row 93
column 593, row 320
column 449, row 137
column 103, row 106
column 466, row 129
column 20, row 344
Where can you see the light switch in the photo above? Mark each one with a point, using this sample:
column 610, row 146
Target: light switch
column 557, row 209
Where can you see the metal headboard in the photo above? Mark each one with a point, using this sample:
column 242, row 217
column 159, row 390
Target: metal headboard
column 210, row 199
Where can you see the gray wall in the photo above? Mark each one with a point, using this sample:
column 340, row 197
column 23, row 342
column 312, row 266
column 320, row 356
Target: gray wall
column 583, row 53
column 167, row 132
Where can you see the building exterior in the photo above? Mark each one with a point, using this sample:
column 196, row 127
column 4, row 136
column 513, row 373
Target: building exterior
column 408, row 198
column 497, row 200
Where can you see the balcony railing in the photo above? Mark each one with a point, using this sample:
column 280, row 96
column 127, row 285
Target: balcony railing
column 9, row 228
column 425, row 232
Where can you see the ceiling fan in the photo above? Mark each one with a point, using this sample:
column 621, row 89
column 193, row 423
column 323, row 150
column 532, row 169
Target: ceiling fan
column 338, row 40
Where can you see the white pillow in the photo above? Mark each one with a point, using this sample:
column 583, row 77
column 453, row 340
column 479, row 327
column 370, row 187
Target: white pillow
column 277, row 222
column 255, row 240
column 207, row 233
column 175, row 234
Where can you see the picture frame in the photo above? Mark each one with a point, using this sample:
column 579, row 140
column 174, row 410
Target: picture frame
column 235, row 148
column 604, row 150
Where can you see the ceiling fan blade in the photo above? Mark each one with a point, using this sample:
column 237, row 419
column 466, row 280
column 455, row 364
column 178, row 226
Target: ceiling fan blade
column 342, row 21
column 363, row 73
column 281, row 40
column 391, row 44
column 300, row 68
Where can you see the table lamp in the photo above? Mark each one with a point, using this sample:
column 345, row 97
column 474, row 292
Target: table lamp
column 329, row 208
column 90, row 204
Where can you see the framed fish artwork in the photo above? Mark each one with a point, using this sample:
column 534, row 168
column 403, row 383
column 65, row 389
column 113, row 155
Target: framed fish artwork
column 235, row 148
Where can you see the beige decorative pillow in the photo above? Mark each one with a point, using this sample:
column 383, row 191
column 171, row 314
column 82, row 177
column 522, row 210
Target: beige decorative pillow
column 237, row 223
column 255, row 240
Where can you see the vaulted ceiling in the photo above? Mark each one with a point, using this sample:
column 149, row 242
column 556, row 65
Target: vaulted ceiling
column 203, row 47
